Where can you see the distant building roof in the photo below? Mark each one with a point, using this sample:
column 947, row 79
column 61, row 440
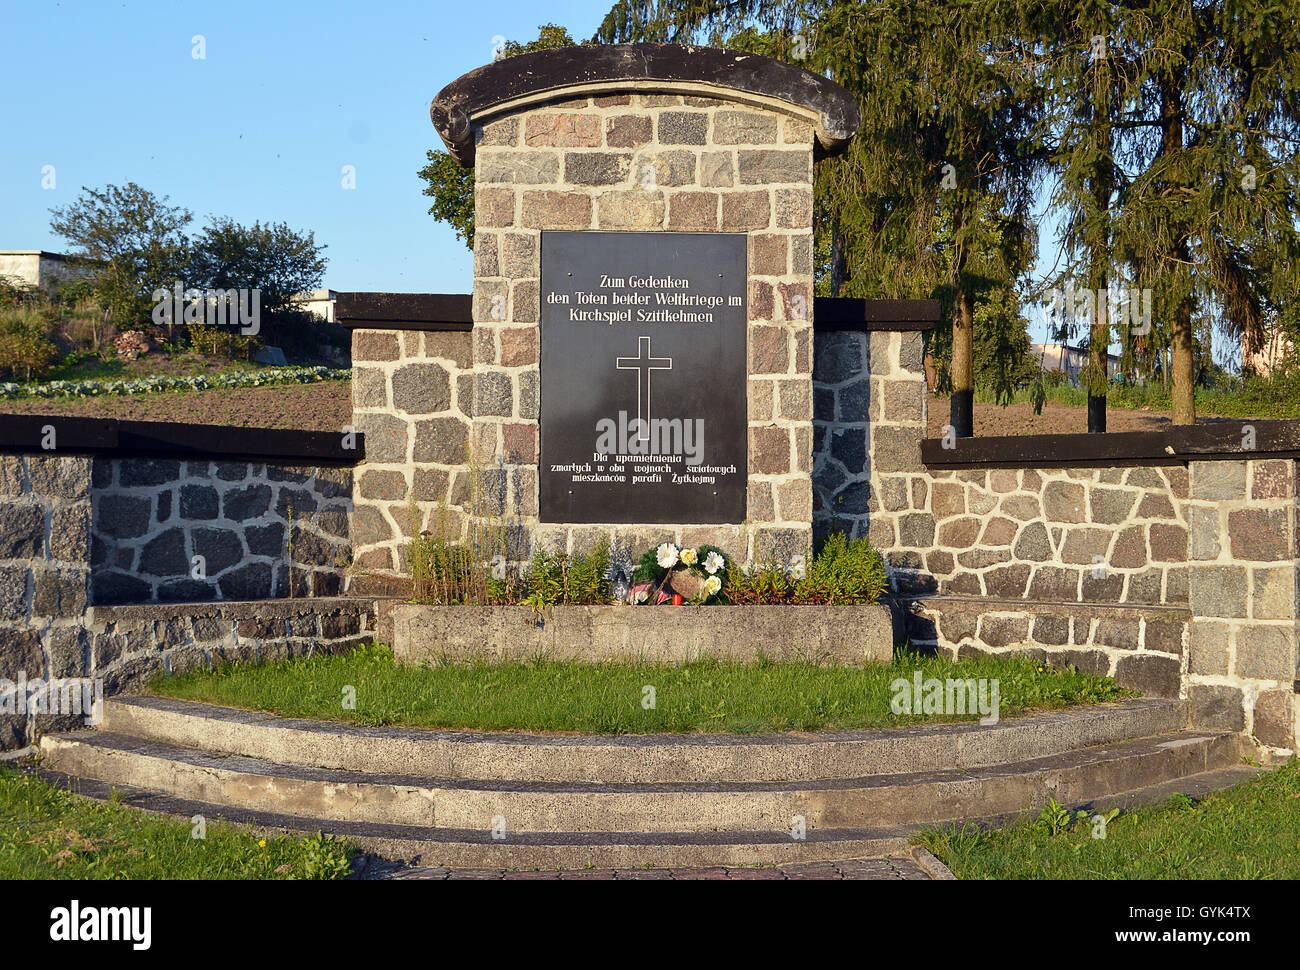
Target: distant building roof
column 1064, row 350
column 307, row 295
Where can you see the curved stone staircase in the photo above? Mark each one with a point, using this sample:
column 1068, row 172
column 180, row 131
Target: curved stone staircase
column 522, row 801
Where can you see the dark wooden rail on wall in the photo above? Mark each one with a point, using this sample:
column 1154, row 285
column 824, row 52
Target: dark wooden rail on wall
column 167, row 439
column 1175, row 445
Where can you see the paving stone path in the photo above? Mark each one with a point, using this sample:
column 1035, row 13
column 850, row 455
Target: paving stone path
column 882, row 868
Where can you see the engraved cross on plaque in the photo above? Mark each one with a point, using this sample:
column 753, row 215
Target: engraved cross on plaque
column 643, row 364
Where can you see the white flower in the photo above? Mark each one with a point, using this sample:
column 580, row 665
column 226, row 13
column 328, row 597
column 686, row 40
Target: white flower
column 666, row 555
column 713, row 562
column 642, row 595
column 689, row 556
column 712, row 585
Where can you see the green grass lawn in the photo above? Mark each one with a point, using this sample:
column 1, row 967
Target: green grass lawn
column 49, row 833
column 708, row 696
column 1249, row 831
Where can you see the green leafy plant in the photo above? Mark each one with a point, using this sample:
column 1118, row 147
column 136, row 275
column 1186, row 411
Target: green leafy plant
column 767, row 583
column 843, row 570
column 25, row 343
column 440, row 570
column 1054, row 818
column 325, row 857
column 578, row 580
column 268, row 377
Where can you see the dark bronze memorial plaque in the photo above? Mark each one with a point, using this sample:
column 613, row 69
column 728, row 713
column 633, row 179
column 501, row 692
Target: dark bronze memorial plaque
column 643, row 412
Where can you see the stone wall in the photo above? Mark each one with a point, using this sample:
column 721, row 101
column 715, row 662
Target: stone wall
column 78, row 530
column 1087, row 535
column 167, row 530
column 1078, row 566
column 132, row 644
column 1143, row 647
column 1178, row 578
column 121, row 648
column 645, row 162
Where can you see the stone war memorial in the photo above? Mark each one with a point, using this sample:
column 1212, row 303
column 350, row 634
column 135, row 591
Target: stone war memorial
column 641, row 360
column 643, row 366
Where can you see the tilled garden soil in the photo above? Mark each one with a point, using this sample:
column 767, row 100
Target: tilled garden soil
column 328, row 407
column 305, row 407
column 1019, row 419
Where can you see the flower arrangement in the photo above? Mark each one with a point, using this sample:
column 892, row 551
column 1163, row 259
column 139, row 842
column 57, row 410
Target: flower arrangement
column 696, row 575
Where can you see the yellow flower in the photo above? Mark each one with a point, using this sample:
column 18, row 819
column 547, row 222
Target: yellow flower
column 689, row 557
column 262, row 843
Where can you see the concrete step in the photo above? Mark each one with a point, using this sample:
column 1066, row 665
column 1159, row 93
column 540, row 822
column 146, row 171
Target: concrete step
column 871, row 801
column 576, row 850
column 475, row 849
column 631, row 759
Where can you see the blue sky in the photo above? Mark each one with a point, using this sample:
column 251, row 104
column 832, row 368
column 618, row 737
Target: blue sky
column 288, row 94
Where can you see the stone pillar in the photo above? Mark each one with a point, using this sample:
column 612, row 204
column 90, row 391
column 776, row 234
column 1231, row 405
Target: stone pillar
column 412, row 397
column 644, row 160
column 901, row 523
column 1244, row 657
column 870, row 416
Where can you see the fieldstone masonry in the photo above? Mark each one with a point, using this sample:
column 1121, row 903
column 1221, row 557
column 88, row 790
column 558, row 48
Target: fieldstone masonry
column 413, row 397
column 868, row 420
column 44, row 572
column 1086, row 535
column 166, row 530
column 452, row 420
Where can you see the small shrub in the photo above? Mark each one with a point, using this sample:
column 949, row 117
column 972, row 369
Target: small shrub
column 26, row 347
column 325, row 857
column 578, row 580
column 767, row 583
column 842, row 571
column 446, row 572
column 15, row 292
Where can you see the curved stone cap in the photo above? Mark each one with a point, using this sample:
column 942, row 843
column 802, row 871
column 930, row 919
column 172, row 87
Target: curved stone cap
column 515, row 82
